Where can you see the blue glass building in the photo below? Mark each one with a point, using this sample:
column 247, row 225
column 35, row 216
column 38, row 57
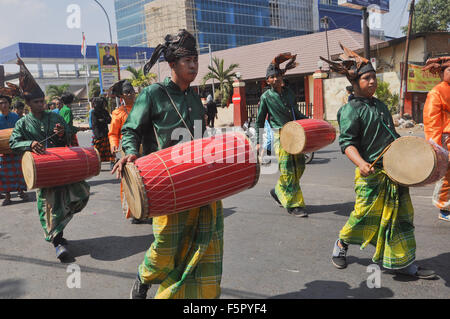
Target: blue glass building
column 130, row 21
column 227, row 24
column 339, row 16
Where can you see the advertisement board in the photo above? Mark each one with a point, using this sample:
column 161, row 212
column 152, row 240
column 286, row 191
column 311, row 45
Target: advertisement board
column 108, row 65
column 421, row 81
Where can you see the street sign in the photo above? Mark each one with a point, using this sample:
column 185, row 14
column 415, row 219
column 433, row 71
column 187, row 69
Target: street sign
column 378, row 5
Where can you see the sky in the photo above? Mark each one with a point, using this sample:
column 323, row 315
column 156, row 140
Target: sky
column 46, row 21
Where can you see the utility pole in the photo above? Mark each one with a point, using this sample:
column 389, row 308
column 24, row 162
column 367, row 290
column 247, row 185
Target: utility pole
column 325, row 22
column 210, row 64
column 366, row 33
column 403, row 82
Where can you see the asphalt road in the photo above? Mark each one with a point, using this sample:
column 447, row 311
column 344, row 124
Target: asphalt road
column 268, row 253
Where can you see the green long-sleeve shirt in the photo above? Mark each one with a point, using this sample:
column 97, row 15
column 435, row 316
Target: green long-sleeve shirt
column 280, row 107
column 367, row 125
column 67, row 115
column 29, row 129
column 153, row 109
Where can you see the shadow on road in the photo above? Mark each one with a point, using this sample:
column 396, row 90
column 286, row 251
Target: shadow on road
column 318, row 160
column 321, row 289
column 342, row 209
column 229, row 211
column 110, row 248
column 12, row 288
column 106, row 181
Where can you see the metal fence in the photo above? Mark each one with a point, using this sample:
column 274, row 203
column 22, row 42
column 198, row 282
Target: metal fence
column 306, row 109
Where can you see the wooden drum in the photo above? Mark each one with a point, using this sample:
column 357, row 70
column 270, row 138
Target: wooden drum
column 190, row 175
column 305, row 136
column 60, row 166
column 4, row 141
column 413, row 161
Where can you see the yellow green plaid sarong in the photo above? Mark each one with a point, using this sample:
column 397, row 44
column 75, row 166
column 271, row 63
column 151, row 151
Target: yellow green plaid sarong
column 291, row 169
column 383, row 216
column 186, row 256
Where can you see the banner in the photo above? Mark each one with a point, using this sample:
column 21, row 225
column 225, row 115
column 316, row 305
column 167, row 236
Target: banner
column 108, row 65
column 420, row 81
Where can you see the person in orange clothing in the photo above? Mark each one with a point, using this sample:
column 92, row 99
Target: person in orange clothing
column 125, row 91
column 436, row 120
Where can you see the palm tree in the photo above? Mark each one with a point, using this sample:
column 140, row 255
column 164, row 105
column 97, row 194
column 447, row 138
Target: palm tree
column 56, row 90
column 138, row 79
column 224, row 77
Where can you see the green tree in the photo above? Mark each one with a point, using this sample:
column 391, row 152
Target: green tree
column 224, row 77
column 385, row 95
column 430, row 15
column 94, row 88
column 55, row 90
column 138, row 79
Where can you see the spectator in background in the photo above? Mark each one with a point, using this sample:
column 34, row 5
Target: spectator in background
column 19, row 108
column 100, row 119
column 66, row 113
column 351, row 96
column 57, row 105
column 211, row 109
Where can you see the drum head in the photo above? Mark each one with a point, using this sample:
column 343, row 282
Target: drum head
column 409, row 161
column 134, row 190
column 293, row 138
column 29, row 170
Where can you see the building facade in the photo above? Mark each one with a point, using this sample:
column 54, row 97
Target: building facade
column 339, row 16
column 130, row 21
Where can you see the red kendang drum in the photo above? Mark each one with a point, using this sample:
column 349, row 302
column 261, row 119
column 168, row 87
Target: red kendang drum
column 190, row 175
column 305, row 136
column 60, row 166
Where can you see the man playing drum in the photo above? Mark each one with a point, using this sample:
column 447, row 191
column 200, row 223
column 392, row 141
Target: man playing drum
column 279, row 103
column 186, row 257
column 383, row 213
column 35, row 132
column 436, row 120
column 11, row 178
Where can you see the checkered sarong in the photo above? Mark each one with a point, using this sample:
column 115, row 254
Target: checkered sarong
column 103, row 147
column 11, row 177
column 186, row 256
column 291, row 169
column 384, row 217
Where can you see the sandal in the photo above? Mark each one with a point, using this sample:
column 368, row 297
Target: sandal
column 6, row 202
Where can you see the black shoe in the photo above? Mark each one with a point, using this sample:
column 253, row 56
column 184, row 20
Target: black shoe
column 136, row 221
column 417, row 272
column 139, row 290
column 62, row 253
column 298, row 212
column 274, row 195
column 339, row 258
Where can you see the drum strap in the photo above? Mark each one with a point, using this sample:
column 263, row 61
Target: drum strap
column 174, row 106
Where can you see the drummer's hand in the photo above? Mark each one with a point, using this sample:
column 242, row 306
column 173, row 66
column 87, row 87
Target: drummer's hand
column 365, row 170
column 121, row 163
column 114, row 149
column 59, row 130
column 37, row 148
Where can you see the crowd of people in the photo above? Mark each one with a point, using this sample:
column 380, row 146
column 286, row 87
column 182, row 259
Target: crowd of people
column 186, row 257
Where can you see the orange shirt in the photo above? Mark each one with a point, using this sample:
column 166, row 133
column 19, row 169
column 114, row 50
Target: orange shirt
column 118, row 118
column 436, row 112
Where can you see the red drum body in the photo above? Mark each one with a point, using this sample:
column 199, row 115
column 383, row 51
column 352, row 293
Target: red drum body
column 60, row 166
column 4, row 141
column 190, row 175
column 305, row 136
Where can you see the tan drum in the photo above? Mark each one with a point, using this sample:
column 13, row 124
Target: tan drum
column 305, row 136
column 413, row 161
column 4, row 141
